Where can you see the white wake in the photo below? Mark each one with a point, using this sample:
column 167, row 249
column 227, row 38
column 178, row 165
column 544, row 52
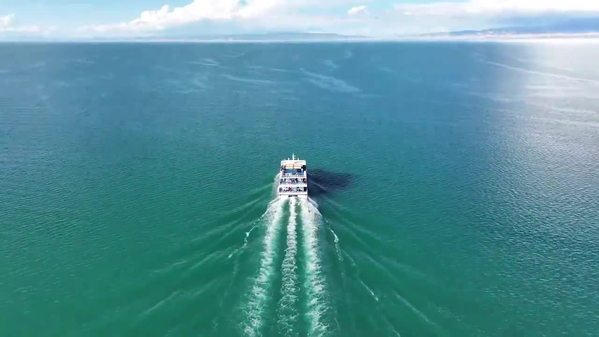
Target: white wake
column 315, row 283
column 314, row 287
column 289, row 287
column 258, row 293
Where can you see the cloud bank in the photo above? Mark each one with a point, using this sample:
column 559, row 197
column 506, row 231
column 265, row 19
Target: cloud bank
column 353, row 17
column 357, row 10
column 497, row 7
column 7, row 25
column 199, row 10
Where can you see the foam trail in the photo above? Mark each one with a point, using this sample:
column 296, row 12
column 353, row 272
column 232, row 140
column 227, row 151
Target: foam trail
column 245, row 243
column 337, row 249
column 258, row 293
column 543, row 73
column 315, row 284
column 288, row 304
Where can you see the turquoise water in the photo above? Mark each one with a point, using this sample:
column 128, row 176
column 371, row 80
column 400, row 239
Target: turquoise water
column 455, row 189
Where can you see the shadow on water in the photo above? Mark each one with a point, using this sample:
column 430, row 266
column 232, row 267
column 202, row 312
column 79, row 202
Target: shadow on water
column 323, row 182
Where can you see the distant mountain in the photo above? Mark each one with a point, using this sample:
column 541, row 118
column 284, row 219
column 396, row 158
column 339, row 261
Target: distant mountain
column 255, row 37
column 286, row 36
column 564, row 28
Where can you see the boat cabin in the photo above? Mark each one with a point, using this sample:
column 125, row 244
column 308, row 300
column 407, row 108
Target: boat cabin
column 293, row 178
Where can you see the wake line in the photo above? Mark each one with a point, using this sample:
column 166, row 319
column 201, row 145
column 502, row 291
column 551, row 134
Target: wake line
column 245, row 243
column 288, row 304
column 258, row 293
column 543, row 73
column 315, row 283
column 314, row 288
column 337, row 248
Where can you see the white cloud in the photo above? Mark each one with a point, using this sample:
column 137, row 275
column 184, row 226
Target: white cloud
column 357, row 10
column 6, row 21
column 7, row 25
column 497, row 7
column 535, row 5
column 354, row 17
column 198, row 10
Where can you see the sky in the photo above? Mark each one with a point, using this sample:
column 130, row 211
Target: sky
column 90, row 19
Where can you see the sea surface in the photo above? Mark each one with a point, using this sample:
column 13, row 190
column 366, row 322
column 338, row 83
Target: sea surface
column 454, row 189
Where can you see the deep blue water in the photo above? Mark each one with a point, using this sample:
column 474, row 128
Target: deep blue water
column 457, row 189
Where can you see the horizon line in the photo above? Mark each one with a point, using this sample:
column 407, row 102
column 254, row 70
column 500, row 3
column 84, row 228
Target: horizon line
column 355, row 39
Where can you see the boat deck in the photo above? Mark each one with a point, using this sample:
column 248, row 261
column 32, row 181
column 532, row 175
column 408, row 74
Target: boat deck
column 293, row 178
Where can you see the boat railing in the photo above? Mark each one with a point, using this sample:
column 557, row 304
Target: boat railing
column 302, row 174
column 293, row 181
column 293, row 189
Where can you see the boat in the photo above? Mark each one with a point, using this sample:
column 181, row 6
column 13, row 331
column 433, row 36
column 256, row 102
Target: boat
column 293, row 178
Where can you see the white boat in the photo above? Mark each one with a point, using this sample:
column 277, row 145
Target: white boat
column 293, row 178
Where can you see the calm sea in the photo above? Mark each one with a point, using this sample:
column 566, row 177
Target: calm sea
column 454, row 189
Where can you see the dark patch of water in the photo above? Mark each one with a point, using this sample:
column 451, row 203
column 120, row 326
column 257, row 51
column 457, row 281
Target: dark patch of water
column 321, row 181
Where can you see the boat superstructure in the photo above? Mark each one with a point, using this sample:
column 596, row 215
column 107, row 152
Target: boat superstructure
column 293, row 178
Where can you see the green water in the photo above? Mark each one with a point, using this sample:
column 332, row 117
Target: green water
column 456, row 189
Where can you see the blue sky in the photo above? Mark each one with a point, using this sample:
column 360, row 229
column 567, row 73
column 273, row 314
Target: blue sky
column 80, row 19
